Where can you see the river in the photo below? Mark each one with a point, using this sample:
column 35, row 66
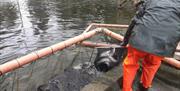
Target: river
column 28, row 25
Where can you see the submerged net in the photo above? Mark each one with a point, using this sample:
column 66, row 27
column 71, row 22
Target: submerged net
column 72, row 69
column 63, row 65
column 29, row 77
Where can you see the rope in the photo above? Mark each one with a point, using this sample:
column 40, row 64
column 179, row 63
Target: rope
column 18, row 63
column 91, row 54
column 74, row 59
column 13, row 83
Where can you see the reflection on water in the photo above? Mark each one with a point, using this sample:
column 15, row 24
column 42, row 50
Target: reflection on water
column 9, row 23
column 27, row 25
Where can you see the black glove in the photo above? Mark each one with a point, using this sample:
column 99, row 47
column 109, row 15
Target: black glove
column 128, row 33
column 139, row 14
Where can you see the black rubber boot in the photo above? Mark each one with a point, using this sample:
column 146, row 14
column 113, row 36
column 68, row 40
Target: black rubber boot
column 142, row 88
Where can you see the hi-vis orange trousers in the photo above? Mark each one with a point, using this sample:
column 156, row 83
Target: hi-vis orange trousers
column 150, row 64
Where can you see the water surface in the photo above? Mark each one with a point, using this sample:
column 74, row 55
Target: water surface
column 27, row 25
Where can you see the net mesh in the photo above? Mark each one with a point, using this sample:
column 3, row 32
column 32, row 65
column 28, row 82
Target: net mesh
column 31, row 76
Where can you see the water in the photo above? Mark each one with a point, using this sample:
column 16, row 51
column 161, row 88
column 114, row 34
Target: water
column 27, row 25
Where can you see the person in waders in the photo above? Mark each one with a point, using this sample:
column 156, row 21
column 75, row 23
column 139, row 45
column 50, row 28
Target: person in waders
column 154, row 36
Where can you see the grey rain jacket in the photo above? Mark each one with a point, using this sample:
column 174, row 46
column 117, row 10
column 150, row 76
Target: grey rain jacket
column 158, row 31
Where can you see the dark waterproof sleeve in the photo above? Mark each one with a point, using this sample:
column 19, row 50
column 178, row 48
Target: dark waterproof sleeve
column 158, row 31
column 140, row 12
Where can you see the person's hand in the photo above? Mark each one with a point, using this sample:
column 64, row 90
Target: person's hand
column 137, row 3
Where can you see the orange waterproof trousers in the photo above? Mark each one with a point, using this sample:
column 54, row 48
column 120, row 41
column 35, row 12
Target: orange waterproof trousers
column 150, row 64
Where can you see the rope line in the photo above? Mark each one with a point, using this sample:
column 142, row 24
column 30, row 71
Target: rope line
column 52, row 50
column 18, row 62
column 36, row 54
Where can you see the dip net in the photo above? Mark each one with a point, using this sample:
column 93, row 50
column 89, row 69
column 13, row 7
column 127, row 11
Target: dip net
column 72, row 69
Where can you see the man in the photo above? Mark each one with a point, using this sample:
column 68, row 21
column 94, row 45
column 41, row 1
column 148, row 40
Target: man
column 154, row 36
